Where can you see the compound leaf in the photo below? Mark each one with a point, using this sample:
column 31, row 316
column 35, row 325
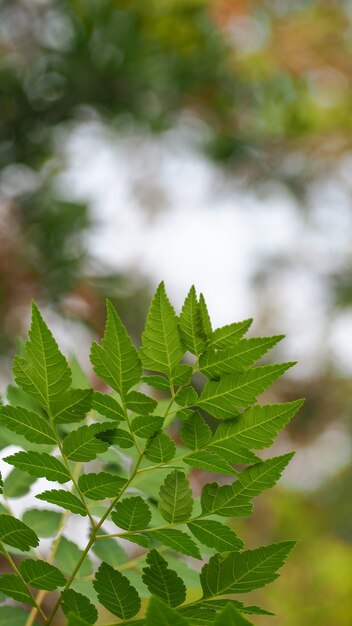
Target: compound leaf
column 80, row 605
column 161, row 343
column 101, row 486
column 23, row 422
column 15, row 533
column 132, row 514
column 225, row 397
column 175, row 498
column 63, row 498
column 116, row 360
column 40, row 464
column 215, row 535
column 162, row 581
column 41, row 575
column 240, row 572
column 115, row 592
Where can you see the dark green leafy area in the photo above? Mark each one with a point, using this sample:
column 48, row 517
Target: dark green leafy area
column 121, row 493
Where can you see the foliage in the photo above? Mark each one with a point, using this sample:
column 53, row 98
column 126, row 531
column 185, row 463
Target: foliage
column 149, row 503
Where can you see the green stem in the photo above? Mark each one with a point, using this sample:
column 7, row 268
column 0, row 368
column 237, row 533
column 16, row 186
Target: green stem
column 18, row 573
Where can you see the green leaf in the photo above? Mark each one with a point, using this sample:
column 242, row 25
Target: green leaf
column 225, row 336
column 107, row 406
column 158, row 382
column 23, row 422
column 146, row 426
column 74, row 406
column 67, row 556
column 132, row 514
column 140, row 403
column 122, row 438
column 116, row 593
column 239, row 357
column 109, row 550
column 218, row 604
column 186, row 396
column 101, row 486
column 43, row 372
column 160, row 448
column 12, row 616
column 225, row 397
column 139, row 539
column 191, row 325
column 160, row 614
column 41, row 575
column 235, row 500
column 231, row 617
column 44, row 522
column 15, row 533
column 161, row 343
column 258, row 426
column 215, row 535
column 17, row 484
column 209, row 462
column 178, row 541
column 80, row 605
column 1, row 484
column 182, row 374
column 64, row 499
column 162, row 581
column 175, row 498
column 195, row 433
column 225, row 444
column 12, row 586
column 40, row 464
column 84, row 444
column 205, row 318
column 240, row 572
column 75, row 620
column 116, row 360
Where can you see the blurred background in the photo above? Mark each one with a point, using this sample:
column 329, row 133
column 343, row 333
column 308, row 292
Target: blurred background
column 206, row 142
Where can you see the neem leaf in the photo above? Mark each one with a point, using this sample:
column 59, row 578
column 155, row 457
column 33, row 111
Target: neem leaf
column 100, row 486
column 225, row 336
column 160, row 614
column 115, row 592
column 17, row 484
column 116, row 360
column 67, row 556
column 132, row 514
column 158, row 382
column 175, row 498
column 162, row 581
column 190, row 324
column 80, row 605
column 223, row 398
column 15, row 533
column 84, row 444
column 161, row 343
column 146, row 426
column 40, row 464
column 160, row 449
column 235, row 500
column 12, row 586
column 243, row 354
column 41, row 575
column 178, row 541
column 63, row 498
column 140, row 403
column 23, row 422
column 195, row 433
column 186, row 396
column 230, row 616
column 240, row 572
column 210, row 462
column 215, row 535
column 43, row 521
column 104, row 404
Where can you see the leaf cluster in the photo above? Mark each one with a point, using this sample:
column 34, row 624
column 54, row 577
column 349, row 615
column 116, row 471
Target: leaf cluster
column 76, row 438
